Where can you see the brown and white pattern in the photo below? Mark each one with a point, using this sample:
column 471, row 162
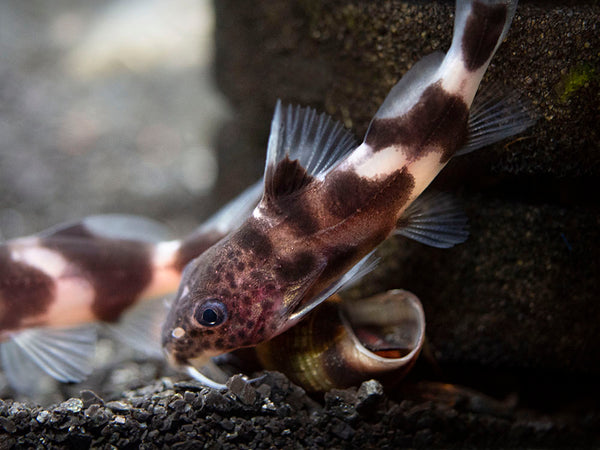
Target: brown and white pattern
column 57, row 286
column 328, row 203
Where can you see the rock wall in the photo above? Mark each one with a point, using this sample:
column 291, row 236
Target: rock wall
column 520, row 296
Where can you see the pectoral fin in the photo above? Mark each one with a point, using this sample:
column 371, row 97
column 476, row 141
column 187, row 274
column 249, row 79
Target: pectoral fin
column 66, row 354
column 434, row 219
column 364, row 266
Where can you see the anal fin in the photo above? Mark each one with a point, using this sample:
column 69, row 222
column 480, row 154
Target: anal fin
column 434, row 219
column 495, row 115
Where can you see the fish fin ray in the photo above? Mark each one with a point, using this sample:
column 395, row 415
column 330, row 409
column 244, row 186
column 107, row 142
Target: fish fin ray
column 65, row 354
column 359, row 270
column 140, row 327
column 302, row 145
column 434, row 219
column 111, row 226
column 22, row 373
column 496, row 115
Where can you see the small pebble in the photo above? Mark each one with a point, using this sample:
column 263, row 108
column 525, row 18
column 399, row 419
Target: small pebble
column 244, row 391
column 118, row 407
column 73, row 405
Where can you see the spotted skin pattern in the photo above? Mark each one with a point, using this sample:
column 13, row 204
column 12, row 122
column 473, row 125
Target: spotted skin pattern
column 236, row 277
column 311, row 228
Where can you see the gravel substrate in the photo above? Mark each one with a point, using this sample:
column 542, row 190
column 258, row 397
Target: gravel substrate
column 271, row 414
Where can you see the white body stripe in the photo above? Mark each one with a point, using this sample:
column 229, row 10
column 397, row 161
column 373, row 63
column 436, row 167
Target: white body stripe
column 165, row 278
column 30, row 251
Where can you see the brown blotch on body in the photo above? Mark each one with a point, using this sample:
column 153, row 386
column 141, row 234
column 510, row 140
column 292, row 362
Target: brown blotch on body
column 348, row 193
column 24, row 291
column 250, row 238
column 338, row 259
column 298, row 214
column 482, row 31
column 119, row 270
column 437, row 120
column 285, row 178
column 297, row 268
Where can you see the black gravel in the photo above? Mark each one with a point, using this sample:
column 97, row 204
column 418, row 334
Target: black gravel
column 272, row 414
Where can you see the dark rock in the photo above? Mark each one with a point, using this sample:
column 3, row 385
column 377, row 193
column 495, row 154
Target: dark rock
column 90, row 398
column 242, row 389
column 227, row 424
column 215, row 401
column 188, row 445
column 179, row 405
column 8, row 425
column 368, row 395
column 140, row 415
column 341, row 404
column 341, row 429
column 118, row 407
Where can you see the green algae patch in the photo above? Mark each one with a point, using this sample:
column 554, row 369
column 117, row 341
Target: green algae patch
column 578, row 77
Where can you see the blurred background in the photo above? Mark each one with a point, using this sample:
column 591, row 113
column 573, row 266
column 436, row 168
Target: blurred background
column 106, row 107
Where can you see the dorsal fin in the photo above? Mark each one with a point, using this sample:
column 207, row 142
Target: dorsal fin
column 302, row 145
column 111, row 226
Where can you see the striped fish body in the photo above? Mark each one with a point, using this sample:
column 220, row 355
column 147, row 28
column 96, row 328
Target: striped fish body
column 328, row 203
column 58, row 286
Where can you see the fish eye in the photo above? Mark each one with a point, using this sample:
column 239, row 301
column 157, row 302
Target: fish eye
column 211, row 313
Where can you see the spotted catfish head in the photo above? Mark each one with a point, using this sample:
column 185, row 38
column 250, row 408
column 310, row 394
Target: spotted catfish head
column 236, row 294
